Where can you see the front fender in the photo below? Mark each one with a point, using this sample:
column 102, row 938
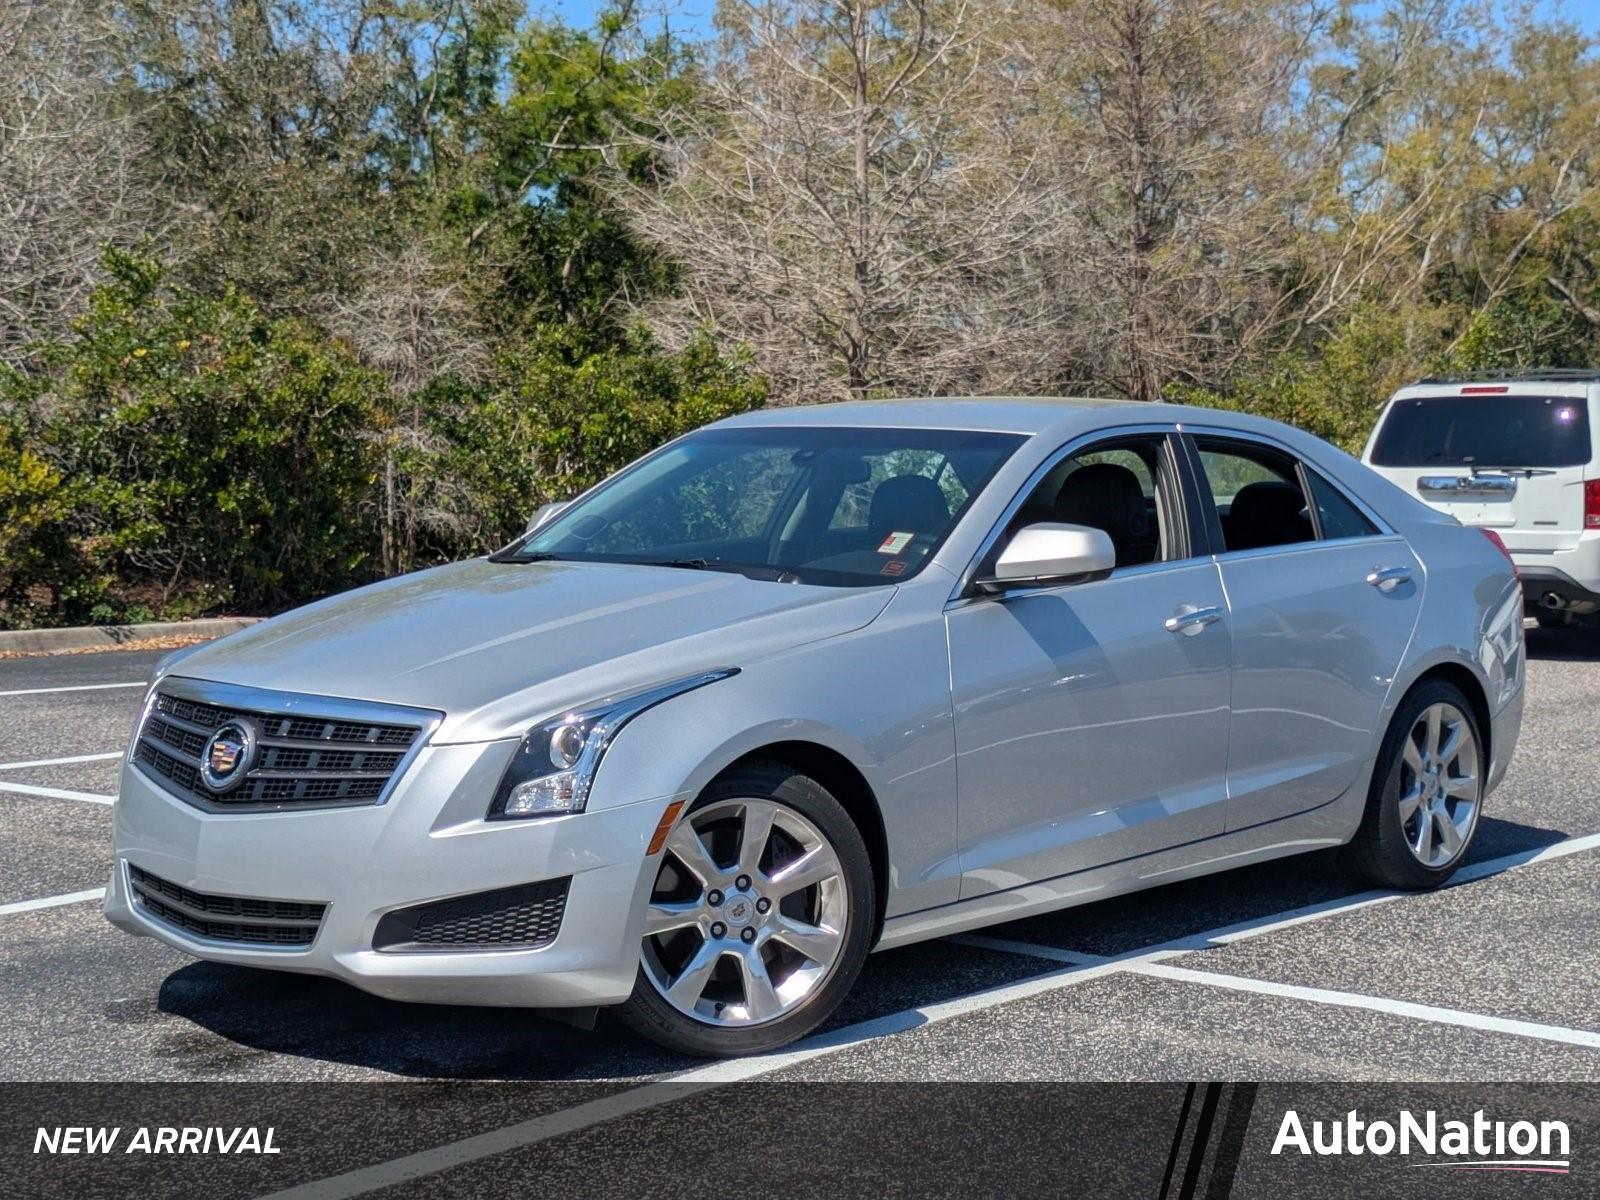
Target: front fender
column 879, row 697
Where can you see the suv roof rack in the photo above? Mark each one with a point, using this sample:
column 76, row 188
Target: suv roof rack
column 1533, row 374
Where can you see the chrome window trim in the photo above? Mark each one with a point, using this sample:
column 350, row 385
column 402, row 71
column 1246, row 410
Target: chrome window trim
column 1304, row 547
column 1305, row 464
column 307, row 704
column 1036, row 477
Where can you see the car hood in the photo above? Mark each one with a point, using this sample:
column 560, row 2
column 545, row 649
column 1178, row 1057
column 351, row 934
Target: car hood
column 497, row 645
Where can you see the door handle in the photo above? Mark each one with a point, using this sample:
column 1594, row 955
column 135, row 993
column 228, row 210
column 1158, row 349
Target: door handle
column 1386, row 579
column 1190, row 620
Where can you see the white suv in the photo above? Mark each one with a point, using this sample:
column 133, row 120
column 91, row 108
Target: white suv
column 1516, row 455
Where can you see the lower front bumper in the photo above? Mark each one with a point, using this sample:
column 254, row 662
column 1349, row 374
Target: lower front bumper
column 364, row 863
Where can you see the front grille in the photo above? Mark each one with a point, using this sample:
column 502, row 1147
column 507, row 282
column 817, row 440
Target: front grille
column 302, row 761
column 525, row 917
column 242, row 919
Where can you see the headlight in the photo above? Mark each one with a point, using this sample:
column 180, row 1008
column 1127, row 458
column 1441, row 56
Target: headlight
column 554, row 767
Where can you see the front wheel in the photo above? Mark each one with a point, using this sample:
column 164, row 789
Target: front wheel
column 1426, row 794
column 759, row 919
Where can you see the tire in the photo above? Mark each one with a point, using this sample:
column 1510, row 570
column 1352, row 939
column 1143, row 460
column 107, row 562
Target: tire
column 720, row 976
column 1389, row 847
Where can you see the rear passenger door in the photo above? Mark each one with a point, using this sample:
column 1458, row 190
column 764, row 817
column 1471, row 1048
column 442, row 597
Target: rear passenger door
column 1322, row 601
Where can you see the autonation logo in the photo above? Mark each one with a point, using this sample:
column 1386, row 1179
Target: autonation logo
column 1476, row 1145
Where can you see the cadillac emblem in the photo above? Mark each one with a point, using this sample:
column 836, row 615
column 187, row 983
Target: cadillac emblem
column 227, row 756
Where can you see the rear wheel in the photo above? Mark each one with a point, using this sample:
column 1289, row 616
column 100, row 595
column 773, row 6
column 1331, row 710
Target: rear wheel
column 759, row 918
column 1426, row 794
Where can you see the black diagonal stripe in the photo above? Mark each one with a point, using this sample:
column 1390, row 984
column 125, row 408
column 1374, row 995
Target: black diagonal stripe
column 1177, row 1141
column 1230, row 1146
column 1202, row 1138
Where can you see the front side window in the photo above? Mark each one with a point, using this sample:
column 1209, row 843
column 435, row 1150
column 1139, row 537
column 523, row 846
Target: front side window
column 841, row 506
column 1110, row 486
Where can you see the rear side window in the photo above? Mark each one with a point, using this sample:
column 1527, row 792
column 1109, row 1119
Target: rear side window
column 1337, row 517
column 1485, row 431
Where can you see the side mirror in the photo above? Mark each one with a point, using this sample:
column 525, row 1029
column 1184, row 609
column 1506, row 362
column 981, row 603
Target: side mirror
column 543, row 514
column 1050, row 553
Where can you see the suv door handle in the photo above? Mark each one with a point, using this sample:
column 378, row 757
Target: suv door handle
column 1386, row 579
column 1190, row 620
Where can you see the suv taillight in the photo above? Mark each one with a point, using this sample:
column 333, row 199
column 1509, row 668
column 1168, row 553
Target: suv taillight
column 1591, row 503
column 1499, row 544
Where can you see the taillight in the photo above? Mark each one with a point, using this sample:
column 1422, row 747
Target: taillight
column 1591, row 503
column 1500, row 546
column 1496, row 390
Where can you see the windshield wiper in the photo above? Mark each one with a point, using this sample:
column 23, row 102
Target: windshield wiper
column 537, row 557
column 758, row 571
column 1525, row 472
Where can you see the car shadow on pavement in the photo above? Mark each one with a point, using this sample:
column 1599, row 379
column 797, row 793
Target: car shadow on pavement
column 241, row 1021
column 267, row 1014
column 1578, row 644
column 1259, row 893
column 238, row 1022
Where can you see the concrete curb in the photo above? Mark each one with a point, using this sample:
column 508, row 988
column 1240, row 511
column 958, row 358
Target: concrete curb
column 80, row 637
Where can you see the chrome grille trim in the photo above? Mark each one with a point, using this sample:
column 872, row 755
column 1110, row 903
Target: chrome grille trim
column 226, row 920
column 315, row 751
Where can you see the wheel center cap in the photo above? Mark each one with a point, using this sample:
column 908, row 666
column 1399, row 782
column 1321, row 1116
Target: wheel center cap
column 740, row 911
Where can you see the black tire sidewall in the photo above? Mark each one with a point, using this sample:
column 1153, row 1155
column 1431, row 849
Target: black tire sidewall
column 1380, row 845
column 647, row 1012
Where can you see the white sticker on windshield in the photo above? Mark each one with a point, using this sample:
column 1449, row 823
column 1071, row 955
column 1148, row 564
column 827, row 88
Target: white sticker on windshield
column 895, row 543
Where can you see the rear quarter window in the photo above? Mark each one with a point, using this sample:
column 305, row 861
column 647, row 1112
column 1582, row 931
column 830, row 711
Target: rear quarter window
column 1484, row 431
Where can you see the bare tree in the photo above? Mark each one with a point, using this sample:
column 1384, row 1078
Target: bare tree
column 850, row 198
column 409, row 317
column 1169, row 212
column 70, row 178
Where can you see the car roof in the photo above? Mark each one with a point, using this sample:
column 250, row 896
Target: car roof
column 1027, row 415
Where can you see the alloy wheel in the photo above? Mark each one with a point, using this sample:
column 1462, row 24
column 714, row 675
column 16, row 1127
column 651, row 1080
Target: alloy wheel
column 748, row 913
column 1440, row 787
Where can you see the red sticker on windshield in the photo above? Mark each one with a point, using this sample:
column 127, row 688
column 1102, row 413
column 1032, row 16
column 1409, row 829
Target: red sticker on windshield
column 893, row 568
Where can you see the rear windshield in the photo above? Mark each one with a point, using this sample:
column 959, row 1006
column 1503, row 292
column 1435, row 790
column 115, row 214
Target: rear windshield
column 1485, row 431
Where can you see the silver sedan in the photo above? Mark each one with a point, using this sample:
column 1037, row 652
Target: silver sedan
column 815, row 681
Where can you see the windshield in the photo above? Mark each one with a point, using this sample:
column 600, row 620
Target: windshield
column 848, row 507
column 1484, row 431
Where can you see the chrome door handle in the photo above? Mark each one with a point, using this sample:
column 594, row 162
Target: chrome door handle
column 1190, row 620
column 1386, row 579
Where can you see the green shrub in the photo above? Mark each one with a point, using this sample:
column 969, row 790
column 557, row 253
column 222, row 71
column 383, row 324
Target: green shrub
column 203, row 455
column 556, row 418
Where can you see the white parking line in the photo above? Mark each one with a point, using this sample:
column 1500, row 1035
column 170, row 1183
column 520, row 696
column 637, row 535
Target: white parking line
column 80, row 687
column 485, row 1145
column 1078, row 968
column 650, row 1095
column 28, row 789
column 1379, row 1004
column 56, row 762
column 52, row 901
column 1313, row 912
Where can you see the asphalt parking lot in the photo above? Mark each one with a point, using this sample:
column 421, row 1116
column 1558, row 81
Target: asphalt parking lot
column 1280, row 972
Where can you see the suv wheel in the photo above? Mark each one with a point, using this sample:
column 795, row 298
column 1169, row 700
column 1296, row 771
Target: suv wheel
column 759, row 919
column 1426, row 794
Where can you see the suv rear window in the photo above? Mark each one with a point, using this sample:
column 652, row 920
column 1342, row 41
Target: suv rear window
column 1485, row 431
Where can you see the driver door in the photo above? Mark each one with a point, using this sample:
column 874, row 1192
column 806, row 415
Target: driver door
column 1087, row 730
